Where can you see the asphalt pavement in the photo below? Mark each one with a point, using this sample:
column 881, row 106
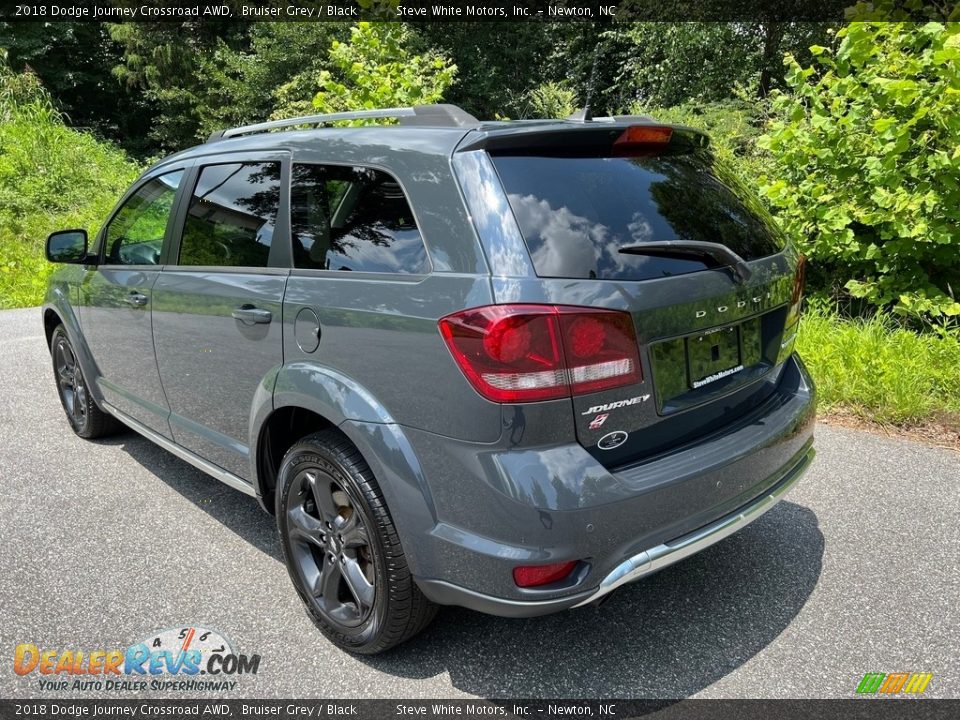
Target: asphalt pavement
column 104, row 543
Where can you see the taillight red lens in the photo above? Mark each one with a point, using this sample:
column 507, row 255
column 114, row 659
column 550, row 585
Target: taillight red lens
column 600, row 349
column 799, row 280
column 526, row 353
column 533, row 575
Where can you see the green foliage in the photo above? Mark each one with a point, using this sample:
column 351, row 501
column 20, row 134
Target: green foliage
column 500, row 63
column 51, row 178
column 881, row 371
column 74, row 61
column 377, row 69
column 550, row 100
column 164, row 63
column 279, row 67
column 667, row 64
column 734, row 126
column 866, row 154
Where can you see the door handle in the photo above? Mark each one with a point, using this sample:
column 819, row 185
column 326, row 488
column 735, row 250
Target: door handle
column 251, row 314
column 136, row 299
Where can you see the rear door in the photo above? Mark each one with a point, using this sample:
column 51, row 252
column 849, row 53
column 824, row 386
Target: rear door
column 622, row 226
column 117, row 301
column 218, row 304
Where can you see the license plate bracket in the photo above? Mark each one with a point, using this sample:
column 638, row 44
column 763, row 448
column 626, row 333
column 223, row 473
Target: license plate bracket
column 713, row 355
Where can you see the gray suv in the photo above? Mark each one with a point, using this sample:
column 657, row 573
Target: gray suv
column 510, row 366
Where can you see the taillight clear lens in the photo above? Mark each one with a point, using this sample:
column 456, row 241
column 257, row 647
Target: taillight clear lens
column 527, row 353
column 534, row 575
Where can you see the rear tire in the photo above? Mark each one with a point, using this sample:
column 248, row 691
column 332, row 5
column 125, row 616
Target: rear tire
column 342, row 550
column 86, row 419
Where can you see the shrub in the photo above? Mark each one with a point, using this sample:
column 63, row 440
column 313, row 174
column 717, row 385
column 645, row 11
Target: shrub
column 865, row 161
column 51, row 177
column 550, row 100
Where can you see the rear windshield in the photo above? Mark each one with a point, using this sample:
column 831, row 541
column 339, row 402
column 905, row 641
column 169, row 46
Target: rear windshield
column 575, row 213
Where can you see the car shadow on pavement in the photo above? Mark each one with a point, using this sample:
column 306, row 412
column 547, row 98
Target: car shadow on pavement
column 234, row 510
column 668, row 636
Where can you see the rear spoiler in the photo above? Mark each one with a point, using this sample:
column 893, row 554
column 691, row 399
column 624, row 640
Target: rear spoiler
column 572, row 136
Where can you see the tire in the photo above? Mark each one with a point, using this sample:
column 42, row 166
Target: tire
column 342, row 550
column 86, row 419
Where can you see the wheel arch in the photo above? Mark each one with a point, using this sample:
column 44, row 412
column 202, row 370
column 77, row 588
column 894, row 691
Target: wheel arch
column 309, row 398
column 62, row 313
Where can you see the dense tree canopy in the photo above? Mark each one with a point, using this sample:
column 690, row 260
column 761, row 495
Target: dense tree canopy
column 858, row 159
column 157, row 87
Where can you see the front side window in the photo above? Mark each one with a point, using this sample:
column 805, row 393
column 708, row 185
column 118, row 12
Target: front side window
column 353, row 219
column 135, row 233
column 232, row 216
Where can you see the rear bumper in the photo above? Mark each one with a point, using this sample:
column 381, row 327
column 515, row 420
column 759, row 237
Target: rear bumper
column 630, row 570
column 498, row 507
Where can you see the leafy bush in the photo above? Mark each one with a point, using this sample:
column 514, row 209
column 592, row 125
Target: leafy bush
column 865, row 161
column 51, row 177
column 550, row 100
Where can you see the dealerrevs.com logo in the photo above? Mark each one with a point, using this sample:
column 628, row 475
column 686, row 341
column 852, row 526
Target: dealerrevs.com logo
column 188, row 658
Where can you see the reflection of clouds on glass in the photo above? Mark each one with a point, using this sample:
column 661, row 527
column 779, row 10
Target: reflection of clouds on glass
column 403, row 253
column 564, row 238
column 492, row 216
column 639, row 227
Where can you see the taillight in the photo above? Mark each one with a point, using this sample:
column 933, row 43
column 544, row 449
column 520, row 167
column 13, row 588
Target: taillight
column 641, row 140
column 533, row 575
column 799, row 280
column 526, row 353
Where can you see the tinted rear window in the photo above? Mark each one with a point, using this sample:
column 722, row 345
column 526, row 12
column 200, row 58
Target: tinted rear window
column 576, row 212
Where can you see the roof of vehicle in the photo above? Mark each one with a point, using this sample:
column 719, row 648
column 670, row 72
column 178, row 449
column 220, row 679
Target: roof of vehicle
column 433, row 129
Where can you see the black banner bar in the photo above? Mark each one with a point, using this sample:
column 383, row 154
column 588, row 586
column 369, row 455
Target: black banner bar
column 872, row 708
column 465, row 11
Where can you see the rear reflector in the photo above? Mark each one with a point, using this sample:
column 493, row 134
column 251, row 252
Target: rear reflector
column 534, row 575
column 641, row 139
column 527, row 353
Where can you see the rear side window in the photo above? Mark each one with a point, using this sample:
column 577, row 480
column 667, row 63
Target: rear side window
column 576, row 212
column 135, row 234
column 353, row 219
column 232, row 215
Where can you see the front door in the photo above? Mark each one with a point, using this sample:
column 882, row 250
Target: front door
column 117, row 300
column 218, row 305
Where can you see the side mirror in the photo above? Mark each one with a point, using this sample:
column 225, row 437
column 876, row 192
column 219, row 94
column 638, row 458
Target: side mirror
column 67, row 246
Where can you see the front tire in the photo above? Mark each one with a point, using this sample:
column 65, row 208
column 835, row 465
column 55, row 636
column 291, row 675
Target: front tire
column 86, row 419
column 342, row 550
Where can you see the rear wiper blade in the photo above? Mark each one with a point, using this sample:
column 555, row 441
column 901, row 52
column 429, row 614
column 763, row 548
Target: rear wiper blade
column 684, row 249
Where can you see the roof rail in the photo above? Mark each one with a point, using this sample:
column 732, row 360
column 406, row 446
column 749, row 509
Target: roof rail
column 425, row 115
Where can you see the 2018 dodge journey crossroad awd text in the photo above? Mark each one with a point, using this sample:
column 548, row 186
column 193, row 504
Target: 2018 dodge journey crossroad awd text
column 505, row 365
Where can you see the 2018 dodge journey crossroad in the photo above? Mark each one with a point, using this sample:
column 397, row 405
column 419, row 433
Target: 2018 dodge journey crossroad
column 505, row 365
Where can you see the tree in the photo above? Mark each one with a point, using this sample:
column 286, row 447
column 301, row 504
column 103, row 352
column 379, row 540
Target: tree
column 668, row 64
column 164, row 61
column 865, row 163
column 74, row 60
column 242, row 84
column 498, row 63
column 377, row 69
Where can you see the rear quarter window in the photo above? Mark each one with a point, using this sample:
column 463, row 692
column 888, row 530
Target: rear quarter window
column 353, row 219
column 576, row 212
